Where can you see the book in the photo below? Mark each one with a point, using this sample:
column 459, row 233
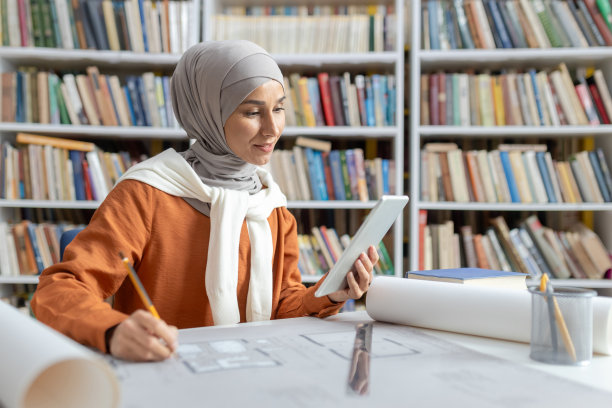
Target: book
column 473, row 276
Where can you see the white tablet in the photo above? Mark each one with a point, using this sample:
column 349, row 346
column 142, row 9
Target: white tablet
column 371, row 232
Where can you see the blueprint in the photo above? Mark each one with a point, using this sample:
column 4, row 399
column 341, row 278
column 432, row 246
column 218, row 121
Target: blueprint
column 305, row 362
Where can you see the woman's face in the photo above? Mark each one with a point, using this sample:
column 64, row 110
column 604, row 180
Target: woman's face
column 254, row 127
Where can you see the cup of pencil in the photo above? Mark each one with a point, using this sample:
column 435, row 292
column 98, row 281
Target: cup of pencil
column 561, row 324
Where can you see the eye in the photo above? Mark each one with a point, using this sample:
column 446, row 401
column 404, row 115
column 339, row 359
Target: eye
column 279, row 109
column 251, row 114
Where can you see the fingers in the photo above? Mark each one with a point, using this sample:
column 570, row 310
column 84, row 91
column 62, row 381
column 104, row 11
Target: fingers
column 142, row 337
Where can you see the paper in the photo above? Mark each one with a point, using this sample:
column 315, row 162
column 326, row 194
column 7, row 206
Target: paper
column 42, row 368
column 491, row 312
column 305, row 362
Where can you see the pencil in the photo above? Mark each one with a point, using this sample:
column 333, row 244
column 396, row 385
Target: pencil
column 567, row 339
column 138, row 285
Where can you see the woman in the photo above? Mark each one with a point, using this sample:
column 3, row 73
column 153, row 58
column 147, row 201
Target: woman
column 207, row 230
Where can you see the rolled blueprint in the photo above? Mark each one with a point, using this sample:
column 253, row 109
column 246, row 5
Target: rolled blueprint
column 481, row 311
column 42, row 368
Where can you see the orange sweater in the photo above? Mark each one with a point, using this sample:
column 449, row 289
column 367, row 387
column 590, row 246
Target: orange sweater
column 167, row 241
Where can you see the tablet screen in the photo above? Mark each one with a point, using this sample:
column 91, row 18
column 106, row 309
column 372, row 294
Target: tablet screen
column 371, row 232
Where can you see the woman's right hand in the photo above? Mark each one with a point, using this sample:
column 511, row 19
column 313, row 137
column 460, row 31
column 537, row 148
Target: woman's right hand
column 143, row 337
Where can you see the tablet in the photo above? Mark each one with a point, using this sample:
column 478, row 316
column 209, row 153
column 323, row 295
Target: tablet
column 371, row 232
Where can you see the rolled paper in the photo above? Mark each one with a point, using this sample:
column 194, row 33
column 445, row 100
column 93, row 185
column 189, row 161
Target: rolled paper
column 480, row 311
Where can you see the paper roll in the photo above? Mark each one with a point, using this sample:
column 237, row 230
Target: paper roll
column 42, row 368
column 481, row 311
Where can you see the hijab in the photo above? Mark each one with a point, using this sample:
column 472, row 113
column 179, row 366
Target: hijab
column 210, row 81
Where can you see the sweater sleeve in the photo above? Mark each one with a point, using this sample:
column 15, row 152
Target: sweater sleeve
column 70, row 294
column 296, row 300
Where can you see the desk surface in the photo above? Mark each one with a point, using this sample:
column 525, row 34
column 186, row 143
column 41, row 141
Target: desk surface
column 305, row 362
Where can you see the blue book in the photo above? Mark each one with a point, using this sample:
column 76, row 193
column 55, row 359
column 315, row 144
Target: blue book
column 168, row 101
column 550, row 192
column 510, row 177
column 312, row 173
column 498, row 21
column 450, row 28
column 320, row 173
column 336, row 170
column 601, row 182
column 144, row 26
column 537, row 95
column 35, row 246
column 369, row 103
column 352, row 172
column 473, row 276
column 19, row 110
column 391, row 103
column 434, row 41
column 77, row 173
column 383, row 99
column 604, row 168
column 315, row 100
column 128, row 98
column 94, row 9
column 385, row 176
column 142, row 96
column 139, row 118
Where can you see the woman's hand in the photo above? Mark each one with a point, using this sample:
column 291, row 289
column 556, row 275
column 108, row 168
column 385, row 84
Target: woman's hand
column 143, row 337
column 359, row 277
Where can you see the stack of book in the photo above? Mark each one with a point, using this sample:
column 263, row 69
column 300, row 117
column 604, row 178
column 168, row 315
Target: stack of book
column 320, row 251
column 90, row 98
column 305, row 173
column 513, row 173
column 467, row 24
column 333, row 100
column 529, row 248
column 529, row 98
column 27, row 248
column 153, row 26
column 46, row 168
column 310, row 29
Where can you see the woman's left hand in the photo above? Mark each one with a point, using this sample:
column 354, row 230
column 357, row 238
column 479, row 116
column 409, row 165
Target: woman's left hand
column 359, row 277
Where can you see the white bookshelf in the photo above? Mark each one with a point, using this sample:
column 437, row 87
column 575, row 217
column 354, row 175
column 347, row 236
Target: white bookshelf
column 432, row 60
column 116, row 61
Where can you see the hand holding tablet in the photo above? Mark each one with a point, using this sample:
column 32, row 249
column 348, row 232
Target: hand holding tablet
column 373, row 229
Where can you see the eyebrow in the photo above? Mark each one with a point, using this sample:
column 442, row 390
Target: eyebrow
column 261, row 103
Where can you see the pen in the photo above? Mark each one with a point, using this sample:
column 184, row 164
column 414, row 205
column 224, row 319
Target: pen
column 567, row 339
column 138, row 285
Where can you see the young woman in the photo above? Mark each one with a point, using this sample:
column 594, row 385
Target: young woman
column 207, row 230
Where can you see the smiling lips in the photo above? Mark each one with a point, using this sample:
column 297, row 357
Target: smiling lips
column 265, row 147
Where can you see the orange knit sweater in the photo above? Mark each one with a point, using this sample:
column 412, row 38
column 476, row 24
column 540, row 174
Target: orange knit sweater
column 167, row 241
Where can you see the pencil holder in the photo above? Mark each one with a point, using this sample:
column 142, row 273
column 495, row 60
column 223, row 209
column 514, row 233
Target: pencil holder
column 562, row 326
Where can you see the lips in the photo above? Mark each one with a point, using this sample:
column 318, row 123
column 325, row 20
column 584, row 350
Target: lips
column 268, row 147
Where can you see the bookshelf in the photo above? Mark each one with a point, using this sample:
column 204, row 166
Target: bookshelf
column 459, row 60
column 389, row 61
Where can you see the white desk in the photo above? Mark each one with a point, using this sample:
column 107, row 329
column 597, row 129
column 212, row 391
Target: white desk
column 304, row 362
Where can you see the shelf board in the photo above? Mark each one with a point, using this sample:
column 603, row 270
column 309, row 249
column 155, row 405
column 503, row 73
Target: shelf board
column 15, row 280
column 332, row 204
column 114, row 132
column 311, row 278
column 427, row 132
column 387, row 132
column 65, row 58
column 578, row 283
column 148, row 132
column 500, row 58
column 79, row 204
column 514, row 206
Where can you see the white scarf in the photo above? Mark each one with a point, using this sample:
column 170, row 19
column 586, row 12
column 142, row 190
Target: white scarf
column 170, row 173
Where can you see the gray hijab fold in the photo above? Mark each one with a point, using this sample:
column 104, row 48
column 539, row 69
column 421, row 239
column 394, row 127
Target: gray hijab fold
column 210, row 81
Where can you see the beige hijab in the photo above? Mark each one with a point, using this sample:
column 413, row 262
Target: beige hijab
column 210, row 81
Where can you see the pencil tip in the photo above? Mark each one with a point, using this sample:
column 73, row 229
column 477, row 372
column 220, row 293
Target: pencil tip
column 121, row 255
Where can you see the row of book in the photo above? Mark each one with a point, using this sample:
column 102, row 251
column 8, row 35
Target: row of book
column 37, row 96
column 18, row 296
column 321, row 250
column 310, row 29
column 26, row 248
column 530, row 98
column 530, row 248
column 513, row 174
column 335, row 100
column 44, row 168
column 308, row 174
column 469, row 24
column 156, row 26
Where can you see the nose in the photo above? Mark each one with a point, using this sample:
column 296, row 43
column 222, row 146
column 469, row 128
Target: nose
column 273, row 124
